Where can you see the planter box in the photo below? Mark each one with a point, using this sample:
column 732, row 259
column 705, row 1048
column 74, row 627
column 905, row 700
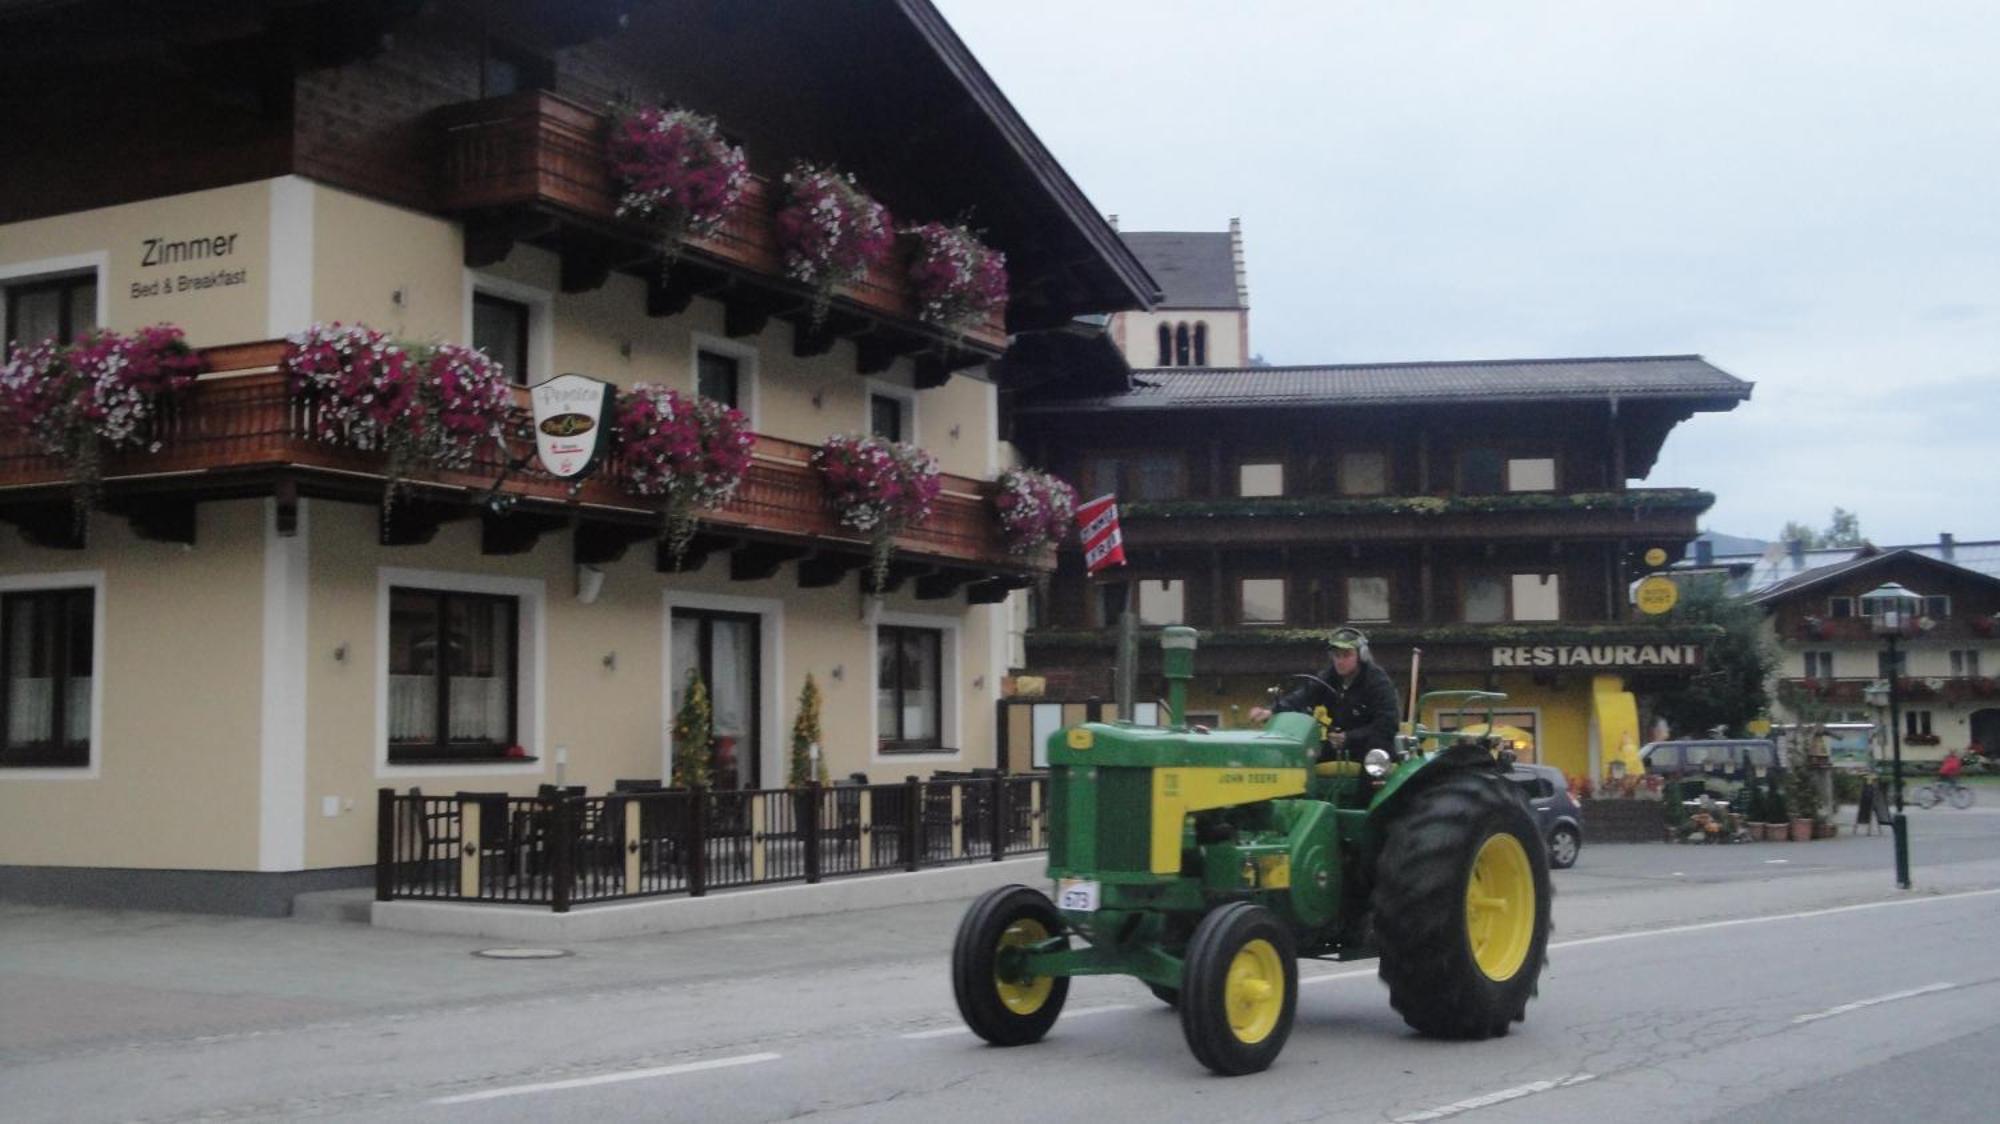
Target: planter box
column 1622, row 821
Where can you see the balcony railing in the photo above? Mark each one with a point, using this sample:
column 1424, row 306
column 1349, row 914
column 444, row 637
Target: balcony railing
column 537, row 149
column 1299, row 520
column 563, row 850
column 240, row 423
column 1909, row 689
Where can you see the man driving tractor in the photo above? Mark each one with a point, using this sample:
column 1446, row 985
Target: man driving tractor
column 1359, row 697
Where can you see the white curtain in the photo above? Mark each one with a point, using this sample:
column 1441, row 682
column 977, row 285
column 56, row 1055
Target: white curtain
column 412, row 708
column 31, row 712
column 478, row 708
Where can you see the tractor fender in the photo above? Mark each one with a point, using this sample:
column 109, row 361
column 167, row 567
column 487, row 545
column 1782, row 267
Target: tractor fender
column 1420, row 774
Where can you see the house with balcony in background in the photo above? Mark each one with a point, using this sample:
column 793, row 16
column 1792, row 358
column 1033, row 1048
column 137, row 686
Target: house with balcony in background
column 208, row 679
column 1482, row 511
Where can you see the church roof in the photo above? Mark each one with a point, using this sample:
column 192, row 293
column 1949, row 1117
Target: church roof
column 1194, row 268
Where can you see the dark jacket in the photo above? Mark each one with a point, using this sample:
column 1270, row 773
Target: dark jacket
column 1367, row 712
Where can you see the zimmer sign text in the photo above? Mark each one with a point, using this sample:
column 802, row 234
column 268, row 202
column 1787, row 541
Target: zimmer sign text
column 1598, row 655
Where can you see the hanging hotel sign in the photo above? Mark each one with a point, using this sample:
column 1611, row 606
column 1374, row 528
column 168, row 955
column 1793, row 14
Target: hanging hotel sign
column 572, row 423
column 1597, row 655
column 1656, row 595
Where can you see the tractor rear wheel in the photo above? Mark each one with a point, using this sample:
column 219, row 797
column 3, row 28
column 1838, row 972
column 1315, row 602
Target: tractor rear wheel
column 1239, row 989
column 1461, row 908
column 996, row 996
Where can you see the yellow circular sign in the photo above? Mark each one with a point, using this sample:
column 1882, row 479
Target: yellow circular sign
column 1760, row 727
column 1656, row 557
column 1657, row 594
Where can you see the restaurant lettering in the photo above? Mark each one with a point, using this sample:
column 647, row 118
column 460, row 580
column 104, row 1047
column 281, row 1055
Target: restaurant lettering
column 160, row 252
column 1598, row 655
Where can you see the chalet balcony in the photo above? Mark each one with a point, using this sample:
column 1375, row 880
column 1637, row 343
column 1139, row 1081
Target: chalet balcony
column 238, row 432
column 531, row 167
column 1638, row 514
column 1978, row 690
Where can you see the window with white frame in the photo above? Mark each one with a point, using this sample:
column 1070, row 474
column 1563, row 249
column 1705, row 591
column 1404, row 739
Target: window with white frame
column 1937, row 607
column 1537, row 597
column 500, row 329
column 1260, row 478
column 1362, row 472
column 1515, row 597
column 60, row 307
column 454, row 675
column 1367, row 598
column 718, row 376
column 1819, row 665
column 1263, row 600
column 1965, row 663
column 1162, row 602
column 47, row 676
column 1916, row 723
column 909, row 689
column 1531, row 474
column 889, row 416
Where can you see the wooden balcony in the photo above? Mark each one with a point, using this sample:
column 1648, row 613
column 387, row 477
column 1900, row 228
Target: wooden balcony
column 531, row 167
column 239, row 432
column 1639, row 514
column 1976, row 690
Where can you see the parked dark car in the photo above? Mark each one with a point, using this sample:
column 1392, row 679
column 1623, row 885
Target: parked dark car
column 1561, row 819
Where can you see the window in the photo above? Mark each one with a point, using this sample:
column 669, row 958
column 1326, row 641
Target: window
column 1181, row 345
column 1363, row 473
column 1166, row 346
column 62, row 308
column 1480, row 471
column 1368, row 599
column 1937, row 607
column 1162, row 601
column 1537, row 597
column 500, row 329
column 1263, row 600
column 1819, row 665
column 46, row 655
column 909, row 707
column 1264, row 478
column 1531, row 474
column 1111, row 602
column 1965, row 664
column 454, row 674
column 1518, row 597
column 1916, row 723
column 885, row 417
column 1145, row 476
column 723, row 648
column 720, row 377
column 1201, row 344
column 1840, row 608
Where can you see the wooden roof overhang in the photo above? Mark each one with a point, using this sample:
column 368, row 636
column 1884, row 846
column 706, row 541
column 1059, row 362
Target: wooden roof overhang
column 239, row 433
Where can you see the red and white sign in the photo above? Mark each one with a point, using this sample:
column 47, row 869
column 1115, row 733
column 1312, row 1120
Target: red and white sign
column 572, row 419
column 1097, row 525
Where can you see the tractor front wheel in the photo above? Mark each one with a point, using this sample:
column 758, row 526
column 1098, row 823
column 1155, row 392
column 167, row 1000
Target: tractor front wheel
column 1239, row 989
column 997, row 997
column 1461, row 908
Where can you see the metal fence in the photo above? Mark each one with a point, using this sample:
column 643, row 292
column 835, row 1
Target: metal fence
column 563, row 848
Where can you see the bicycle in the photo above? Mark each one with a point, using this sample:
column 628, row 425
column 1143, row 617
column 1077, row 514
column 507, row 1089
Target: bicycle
column 1937, row 792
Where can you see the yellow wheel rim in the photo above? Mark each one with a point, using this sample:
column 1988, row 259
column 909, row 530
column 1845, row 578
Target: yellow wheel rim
column 1022, row 996
column 1500, row 906
column 1254, row 994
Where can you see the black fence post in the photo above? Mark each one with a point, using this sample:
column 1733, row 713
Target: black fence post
column 562, row 869
column 996, row 806
column 698, row 843
column 913, row 822
column 385, row 843
column 811, row 829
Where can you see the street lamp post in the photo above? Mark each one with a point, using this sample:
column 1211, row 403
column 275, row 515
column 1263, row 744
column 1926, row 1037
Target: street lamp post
column 1892, row 609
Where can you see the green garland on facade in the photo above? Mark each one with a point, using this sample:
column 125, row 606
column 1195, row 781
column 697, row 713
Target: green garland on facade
column 694, row 736
column 1603, row 632
column 1650, row 499
column 806, row 735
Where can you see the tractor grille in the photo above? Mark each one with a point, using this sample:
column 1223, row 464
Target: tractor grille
column 1117, row 822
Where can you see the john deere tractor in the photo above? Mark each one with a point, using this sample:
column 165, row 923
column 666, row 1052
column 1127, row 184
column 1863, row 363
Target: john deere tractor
column 1207, row 864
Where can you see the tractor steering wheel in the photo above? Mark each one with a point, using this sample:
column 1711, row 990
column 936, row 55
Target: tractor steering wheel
column 1331, row 692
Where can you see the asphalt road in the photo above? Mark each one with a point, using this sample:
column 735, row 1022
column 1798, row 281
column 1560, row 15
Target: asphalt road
column 1784, row 982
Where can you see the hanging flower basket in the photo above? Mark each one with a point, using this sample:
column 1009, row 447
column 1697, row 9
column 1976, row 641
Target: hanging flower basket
column 877, row 487
column 829, row 232
column 690, row 450
column 100, row 393
column 362, row 390
column 675, row 171
column 464, row 399
column 1035, row 509
column 958, row 280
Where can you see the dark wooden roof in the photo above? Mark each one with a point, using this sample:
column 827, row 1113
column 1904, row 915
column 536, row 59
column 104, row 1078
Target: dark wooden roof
column 1898, row 559
column 1195, row 269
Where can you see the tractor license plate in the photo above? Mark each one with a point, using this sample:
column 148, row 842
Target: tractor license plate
column 1077, row 894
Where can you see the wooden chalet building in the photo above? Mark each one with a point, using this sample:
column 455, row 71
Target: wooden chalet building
column 205, row 682
column 1481, row 511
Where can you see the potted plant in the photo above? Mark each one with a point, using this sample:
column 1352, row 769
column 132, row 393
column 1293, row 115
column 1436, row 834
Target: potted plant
column 1801, row 793
column 877, row 487
column 694, row 736
column 675, row 171
column 957, row 279
column 1035, row 509
column 691, row 451
column 78, row 401
column 829, row 231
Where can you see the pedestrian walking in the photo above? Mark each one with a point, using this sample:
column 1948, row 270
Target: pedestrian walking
column 1868, row 812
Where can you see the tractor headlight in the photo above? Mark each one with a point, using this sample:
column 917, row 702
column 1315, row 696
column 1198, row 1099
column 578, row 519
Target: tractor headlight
column 1376, row 763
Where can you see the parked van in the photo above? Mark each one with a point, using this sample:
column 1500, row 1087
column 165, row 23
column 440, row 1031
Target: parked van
column 1731, row 757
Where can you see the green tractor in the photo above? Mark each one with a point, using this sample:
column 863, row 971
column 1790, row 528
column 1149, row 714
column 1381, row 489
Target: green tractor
column 1207, row 864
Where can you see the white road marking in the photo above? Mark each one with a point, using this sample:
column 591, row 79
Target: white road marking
column 1860, row 1003
column 1347, row 975
column 1516, row 1093
column 1078, row 1013
column 608, row 1078
column 1698, row 927
column 1776, row 862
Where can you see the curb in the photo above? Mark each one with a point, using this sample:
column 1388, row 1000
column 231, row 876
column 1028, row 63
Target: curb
column 682, row 914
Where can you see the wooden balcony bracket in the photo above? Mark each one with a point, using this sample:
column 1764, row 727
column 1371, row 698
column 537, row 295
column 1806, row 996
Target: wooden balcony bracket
column 53, row 525
column 944, row 583
column 992, row 591
column 516, row 532
column 413, row 521
column 160, row 518
column 754, row 562
column 875, row 354
column 825, row 568
column 743, row 315
column 695, row 556
column 598, row 543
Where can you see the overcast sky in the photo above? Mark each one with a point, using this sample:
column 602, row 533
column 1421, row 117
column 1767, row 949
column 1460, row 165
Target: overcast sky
column 1804, row 193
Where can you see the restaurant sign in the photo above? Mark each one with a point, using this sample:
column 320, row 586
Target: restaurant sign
column 1597, row 655
column 572, row 423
